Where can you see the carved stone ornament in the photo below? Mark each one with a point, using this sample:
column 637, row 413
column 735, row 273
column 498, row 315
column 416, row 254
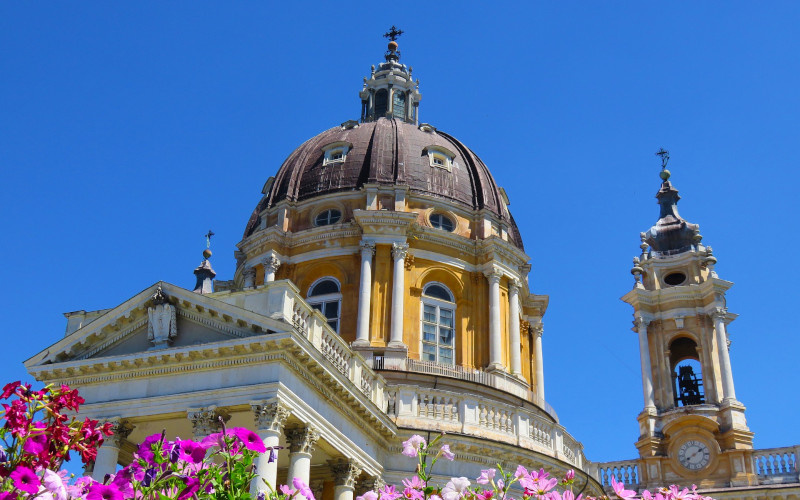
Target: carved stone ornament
column 345, row 472
column 538, row 330
column 409, row 262
column 371, row 484
column 494, row 275
column 271, row 416
column 271, row 264
column 121, row 429
column 302, row 439
column 367, row 248
column 399, row 250
column 249, row 276
column 205, row 421
column 162, row 325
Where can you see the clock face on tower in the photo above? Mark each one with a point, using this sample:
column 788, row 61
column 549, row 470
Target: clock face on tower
column 694, row 455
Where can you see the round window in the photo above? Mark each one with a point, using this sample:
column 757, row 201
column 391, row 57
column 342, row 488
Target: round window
column 327, row 217
column 673, row 279
column 442, row 222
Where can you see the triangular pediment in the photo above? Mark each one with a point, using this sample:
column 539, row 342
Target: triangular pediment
column 162, row 316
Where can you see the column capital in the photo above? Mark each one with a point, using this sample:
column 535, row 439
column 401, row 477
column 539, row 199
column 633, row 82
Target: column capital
column 367, row 248
column 271, row 263
column 206, row 421
column 514, row 285
column 493, row 274
column 121, row 429
column 641, row 321
column 270, row 415
column 399, row 250
column 345, row 471
column 538, row 330
column 719, row 314
column 302, row 439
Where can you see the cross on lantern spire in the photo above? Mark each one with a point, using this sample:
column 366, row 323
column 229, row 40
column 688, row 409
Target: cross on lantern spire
column 393, row 33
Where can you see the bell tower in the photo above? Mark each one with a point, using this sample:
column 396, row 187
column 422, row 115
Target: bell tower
column 692, row 428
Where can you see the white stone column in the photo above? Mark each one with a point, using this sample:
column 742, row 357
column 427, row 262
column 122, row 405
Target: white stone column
column 538, row 330
column 108, row 453
column 513, row 327
column 644, row 354
column 364, row 294
column 399, row 252
column 249, row 276
column 728, row 393
column 495, row 341
column 271, row 265
column 301, row 445
column 270, row 419
column 345, row 473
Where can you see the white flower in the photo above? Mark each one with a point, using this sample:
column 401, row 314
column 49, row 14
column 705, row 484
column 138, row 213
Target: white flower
column 455, row 488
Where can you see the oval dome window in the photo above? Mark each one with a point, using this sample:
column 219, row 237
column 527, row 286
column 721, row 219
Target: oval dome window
column 673, row 279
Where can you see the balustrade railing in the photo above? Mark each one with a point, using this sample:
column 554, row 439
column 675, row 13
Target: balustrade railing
column 625, row 471
column 776, row 465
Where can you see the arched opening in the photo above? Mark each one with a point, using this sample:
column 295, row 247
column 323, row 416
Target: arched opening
column 438, row 324
column 399, row 105
column 325, row 296
column 381, row 102
column 687, row 372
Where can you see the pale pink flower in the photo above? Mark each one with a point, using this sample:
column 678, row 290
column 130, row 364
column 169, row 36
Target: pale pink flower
column 619, row 489
column 446, row 453
column 413, row 444
column 415, row 482
column 486, row 476
column 369, row 495
column 455, row 488
column 54, row 484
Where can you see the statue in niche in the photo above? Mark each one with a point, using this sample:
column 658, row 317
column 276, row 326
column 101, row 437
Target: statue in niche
column 162, row 325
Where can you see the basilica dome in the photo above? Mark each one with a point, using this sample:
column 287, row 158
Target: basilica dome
column 387, row 151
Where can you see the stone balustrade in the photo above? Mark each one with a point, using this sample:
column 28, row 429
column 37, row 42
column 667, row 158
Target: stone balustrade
column 777, row 465
column 625, row 471
column 468, row 414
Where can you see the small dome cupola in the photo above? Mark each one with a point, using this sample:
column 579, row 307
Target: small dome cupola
column 671, row 234
column 390, row 91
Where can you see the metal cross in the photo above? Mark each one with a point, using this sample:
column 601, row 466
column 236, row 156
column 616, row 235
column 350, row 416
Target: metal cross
column 393, row 33
column 208, row 238
column 664, row 154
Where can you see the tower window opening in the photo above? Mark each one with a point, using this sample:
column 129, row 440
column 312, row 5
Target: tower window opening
column 438, row 324
column 381, row 102
column 325, row 296
column 442, row 222
column 687, row 373
column 674, row 279
column 399, row 105
column 327, row 217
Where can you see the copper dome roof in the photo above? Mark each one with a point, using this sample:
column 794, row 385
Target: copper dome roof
column 387, row 151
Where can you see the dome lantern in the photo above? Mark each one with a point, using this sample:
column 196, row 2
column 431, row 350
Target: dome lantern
column 390, row 90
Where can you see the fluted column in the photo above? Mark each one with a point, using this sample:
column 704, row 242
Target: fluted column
column 513, row 318
column 301, row 444
column 728, row 393
column 270, row 419
column 271, row 265
column 108, row 453
column 538, row 330
column 495, row 341
column 364, row 294
column 249, row 275
column 399, row 252
column 644, row 355
column 345, row 473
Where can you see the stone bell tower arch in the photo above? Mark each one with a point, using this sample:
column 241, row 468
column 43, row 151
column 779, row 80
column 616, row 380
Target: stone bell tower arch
column 692, row 428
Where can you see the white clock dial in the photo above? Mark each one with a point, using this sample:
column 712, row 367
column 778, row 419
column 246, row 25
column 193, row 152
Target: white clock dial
column 694, row 455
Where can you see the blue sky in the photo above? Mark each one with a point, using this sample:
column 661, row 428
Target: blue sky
column 127, row 130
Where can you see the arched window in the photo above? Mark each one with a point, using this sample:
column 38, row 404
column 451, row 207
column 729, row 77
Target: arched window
column 381, row 103
column 438, row 324
column 325, row 296
column 399, row 104
column 687, row 372
column 327, row 217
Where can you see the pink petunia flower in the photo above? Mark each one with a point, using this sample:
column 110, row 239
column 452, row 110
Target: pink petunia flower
column 192, row 487
column 446, row 453
column 303, row 488
column 455, row 489
column 486, row 476
column 25, row 479
column 413, row 444
column 251, row 440
column 54, row 484
column 104, row 492
column 619, row 489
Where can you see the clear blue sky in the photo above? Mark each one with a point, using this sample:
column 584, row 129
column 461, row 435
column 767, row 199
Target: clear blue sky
column 127, row 130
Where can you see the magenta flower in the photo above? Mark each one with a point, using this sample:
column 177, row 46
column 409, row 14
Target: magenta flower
column 619, row 489
column 286, row 490
column 570, row 475
column 389, row 492
column 412, row 494
column 521, row 471
column 251, row 440
column 413, row 444
column 149, row 447
column 192, row 487
column 446, row 453
column 25, row 480
column 415, row 482
column 104, row 492
column 486, row 476
column 37, row 441
column 192, row 452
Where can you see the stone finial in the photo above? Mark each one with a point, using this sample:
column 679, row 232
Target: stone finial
column 205, row 278
column 206, row 421
column 302, row 439
column 270, row 415
column 345, row 471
